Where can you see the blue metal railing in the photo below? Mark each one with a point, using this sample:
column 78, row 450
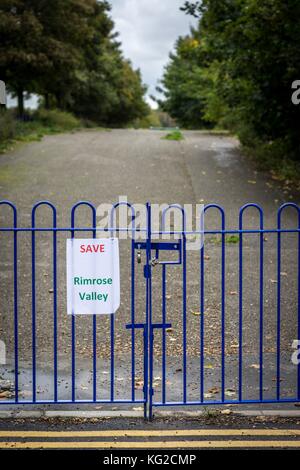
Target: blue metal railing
column 150, row 396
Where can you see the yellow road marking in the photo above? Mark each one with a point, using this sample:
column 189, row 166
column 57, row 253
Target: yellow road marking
column 146, row 445
column 153, row 433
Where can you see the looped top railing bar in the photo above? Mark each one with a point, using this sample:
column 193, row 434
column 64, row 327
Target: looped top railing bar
column 221, row 211
column 261, row 300
column 288, row 205
column 113, row 215
column 73, row 322
column 16, row 320
column 33, row 291
column 174, row 207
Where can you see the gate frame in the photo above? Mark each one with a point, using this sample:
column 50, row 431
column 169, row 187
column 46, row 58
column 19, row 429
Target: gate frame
column 149, row 326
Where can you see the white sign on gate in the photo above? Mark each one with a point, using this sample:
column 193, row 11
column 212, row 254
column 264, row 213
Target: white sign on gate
column 93, row 276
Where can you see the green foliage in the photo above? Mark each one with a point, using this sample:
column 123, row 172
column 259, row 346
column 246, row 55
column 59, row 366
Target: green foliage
column 56, row 119
column 151, row 120
column 7, row 125
column 174, row 135
column 39, row 123
column 184, row 83
column 66, row 51
column 235, row 71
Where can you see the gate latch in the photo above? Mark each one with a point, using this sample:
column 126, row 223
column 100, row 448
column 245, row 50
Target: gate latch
column 154, row 262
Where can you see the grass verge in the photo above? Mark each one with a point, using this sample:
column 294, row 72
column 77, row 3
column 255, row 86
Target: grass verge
column 174, row 135
column 38, row 124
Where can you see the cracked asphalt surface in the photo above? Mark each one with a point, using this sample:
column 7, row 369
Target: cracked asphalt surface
column 99, row 167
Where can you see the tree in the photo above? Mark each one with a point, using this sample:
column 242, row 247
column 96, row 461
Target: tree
column 248, row 52
column 185, row 83
column 66, row 51
column 21, row 59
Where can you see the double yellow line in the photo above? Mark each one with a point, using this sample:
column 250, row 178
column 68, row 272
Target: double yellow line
column 182, row 441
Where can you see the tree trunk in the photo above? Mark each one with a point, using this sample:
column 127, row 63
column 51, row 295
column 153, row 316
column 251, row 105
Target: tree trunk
column 47, row 101
column 20, row 103
column 59, row 100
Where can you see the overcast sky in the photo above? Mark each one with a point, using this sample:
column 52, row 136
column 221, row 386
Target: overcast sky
column 148, row 31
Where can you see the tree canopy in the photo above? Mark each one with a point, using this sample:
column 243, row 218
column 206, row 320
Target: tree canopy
column 67, row 51
column 236, row 70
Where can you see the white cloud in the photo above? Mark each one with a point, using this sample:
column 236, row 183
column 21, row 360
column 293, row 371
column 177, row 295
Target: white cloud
column 148, row 31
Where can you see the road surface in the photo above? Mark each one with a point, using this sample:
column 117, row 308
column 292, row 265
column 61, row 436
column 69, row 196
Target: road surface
column 99, row 167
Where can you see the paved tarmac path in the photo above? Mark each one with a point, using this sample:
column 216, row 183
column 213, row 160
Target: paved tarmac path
column 99, row 167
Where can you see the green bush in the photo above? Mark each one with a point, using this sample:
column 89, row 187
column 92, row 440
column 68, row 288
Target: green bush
column 174, row 135
column 34, row 127
column 151, row 120
column 56, row 119
column 7, row 125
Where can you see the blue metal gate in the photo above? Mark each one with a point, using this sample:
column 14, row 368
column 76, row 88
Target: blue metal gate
column 230, row 347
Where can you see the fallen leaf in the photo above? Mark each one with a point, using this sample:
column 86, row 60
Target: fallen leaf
column 230, row 393
column 139, row 385
column 6, row 394
column 226, row 412
column 214, row 390
column 197, row 314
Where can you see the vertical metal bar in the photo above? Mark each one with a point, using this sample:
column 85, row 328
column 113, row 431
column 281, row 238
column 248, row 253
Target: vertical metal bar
column 298, row 384
column 261, row 314
column 146, row 348
column 112, row 356
column 94, row 358
column 150, row 328
column 147, row 329
column 73, row 358
column 94, row 332
column 16, row 323
column 164, row 333
column 202, row 300
column 223, row 315
column 55, row 309
column 73, row 335
column 33, row 325
column 184, row 328
column 278, row 308
column 132, row 320
column 240, row 394
column 73, row 324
